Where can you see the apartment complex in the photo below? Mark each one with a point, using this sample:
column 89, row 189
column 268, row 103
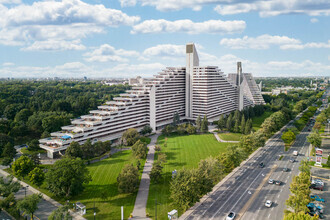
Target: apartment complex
column 190, row 91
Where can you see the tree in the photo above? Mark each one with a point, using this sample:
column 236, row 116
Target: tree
column 22, row 116
column 243, row 124
column 146, row 130
column 22, row 166
column 315, row 139
column 37, row 176
column 74, row 150
column 229, row 122
column 8, row 186
column 128, row 179
column 248, row 127
column 34, row 145
column 167, row 130
column 45, row 134
column 158, row 148
column 185, row 189
column 130, row 137
column 204, row 125
column 176, row 119
column 288, row 137
column 67, row 177
column 198, row 123
column 181, row 129
column 162, row 158
column 236, row 127
column 8, row 201
column 140, row 150
column 62, row 213
column 9, row 150
column 211, row 169
column 328, row 161
column 221, row 123
column 29, row 204
column 191, row 129
column 156, row 171
column 299, row 216
column 237, row 117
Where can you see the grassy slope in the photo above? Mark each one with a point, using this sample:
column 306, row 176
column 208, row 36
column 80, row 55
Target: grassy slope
column 104, row 175
column 230, row 136
column 257, row 121
column 181, row 151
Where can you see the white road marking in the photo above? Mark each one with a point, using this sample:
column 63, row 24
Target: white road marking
column 268, row 215
column 278, row 196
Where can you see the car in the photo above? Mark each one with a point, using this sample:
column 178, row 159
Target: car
column 231, row 216
column 277, row 182
column 268, row 203
column 309, row 129
column 317, row 181
column 292, row 160
column 261, row 164
column 270, row 181
column 316, row 186
column 285, row 169
column 317, row 198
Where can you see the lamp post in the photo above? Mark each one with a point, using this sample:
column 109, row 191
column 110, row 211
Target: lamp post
column 94, row 210
column 25, row 188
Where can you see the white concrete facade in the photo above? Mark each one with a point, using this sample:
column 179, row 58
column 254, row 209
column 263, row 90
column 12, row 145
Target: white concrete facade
column 189, row 91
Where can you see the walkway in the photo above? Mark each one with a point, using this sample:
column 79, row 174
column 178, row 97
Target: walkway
column 220, row 140
column 139, row 211
column 46, row 205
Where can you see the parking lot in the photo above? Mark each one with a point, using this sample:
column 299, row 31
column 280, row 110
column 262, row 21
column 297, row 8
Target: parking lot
column 323, row 174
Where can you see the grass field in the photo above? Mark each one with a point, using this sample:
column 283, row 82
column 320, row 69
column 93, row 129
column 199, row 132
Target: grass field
column 104, row 175
column 181, row 151
column 230, row 136
column 257, row 121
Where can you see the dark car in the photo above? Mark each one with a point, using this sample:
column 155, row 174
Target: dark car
column 316, row 186
column 285, row 169
column 261, row 164
column 292, row 160
column 277, row 182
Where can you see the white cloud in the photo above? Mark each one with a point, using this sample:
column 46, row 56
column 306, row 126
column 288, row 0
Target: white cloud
column 316, row 45
column 106, row 53
column 190, row 27
column 314, row 20
column 55, row 45
column 127, row 3
column 66, row 20
column 276, row 7
column 10, row 2
column 165, row 51
column 8, row 64
column 260, row 42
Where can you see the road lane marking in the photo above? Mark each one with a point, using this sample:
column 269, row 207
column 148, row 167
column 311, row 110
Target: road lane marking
column 268, row 215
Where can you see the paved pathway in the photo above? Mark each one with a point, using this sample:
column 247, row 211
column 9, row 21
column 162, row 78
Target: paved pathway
column 220, row 140
column 46, row 205
column 139, row 211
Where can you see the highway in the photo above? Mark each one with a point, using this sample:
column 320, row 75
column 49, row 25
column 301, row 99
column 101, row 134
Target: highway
column 236, row 192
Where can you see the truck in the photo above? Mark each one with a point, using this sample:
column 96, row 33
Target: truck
column 295, row 153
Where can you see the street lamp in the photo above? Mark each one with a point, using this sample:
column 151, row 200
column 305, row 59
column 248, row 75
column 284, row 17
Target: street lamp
column 94, row 210
column 25, row 188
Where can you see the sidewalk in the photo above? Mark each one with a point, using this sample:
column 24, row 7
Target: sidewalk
column 46, row 205
column 220, row 140
column 140, row 205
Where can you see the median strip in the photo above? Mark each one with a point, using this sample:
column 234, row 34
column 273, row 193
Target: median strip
column 248, row 204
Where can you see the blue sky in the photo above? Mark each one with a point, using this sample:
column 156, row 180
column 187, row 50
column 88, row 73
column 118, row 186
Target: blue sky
column 126, row 38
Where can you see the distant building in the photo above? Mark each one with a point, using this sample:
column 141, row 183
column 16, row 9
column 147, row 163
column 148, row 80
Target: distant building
column 189, row 91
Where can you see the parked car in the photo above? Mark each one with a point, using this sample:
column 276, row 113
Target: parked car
column 317, row 198
column 285, row 169
column 316, row 186
column 317, row 181
column 270, row 181
column 292, row 160
column 261, row 164
column 231, row 216
column 268, row 203
column 277, row 182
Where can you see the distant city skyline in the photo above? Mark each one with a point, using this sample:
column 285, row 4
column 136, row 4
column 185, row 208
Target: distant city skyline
column 127, row 38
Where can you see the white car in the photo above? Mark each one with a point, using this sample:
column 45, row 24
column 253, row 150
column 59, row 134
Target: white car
column 270, row 181
column 268, row 203
column 317, row 181
column 231, row 216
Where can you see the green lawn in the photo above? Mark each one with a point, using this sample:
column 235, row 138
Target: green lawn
column 257, row 121
column 104, row 175
column 230, row 136
column 182, row 151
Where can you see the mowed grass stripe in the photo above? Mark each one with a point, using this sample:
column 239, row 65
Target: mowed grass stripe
column 104, row 181
column 182, row 152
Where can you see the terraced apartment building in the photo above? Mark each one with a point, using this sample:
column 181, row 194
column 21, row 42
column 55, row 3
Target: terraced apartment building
column 189, row 91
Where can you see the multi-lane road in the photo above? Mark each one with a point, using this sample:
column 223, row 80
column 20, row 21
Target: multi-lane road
column 246, row 191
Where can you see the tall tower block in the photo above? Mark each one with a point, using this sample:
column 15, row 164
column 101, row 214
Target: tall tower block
column 240, row 89
column 191, row 61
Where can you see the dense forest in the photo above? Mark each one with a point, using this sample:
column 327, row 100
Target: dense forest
column 32, row 109
column 269, row 83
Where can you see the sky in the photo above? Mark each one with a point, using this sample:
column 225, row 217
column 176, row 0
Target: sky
column 127, row 38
